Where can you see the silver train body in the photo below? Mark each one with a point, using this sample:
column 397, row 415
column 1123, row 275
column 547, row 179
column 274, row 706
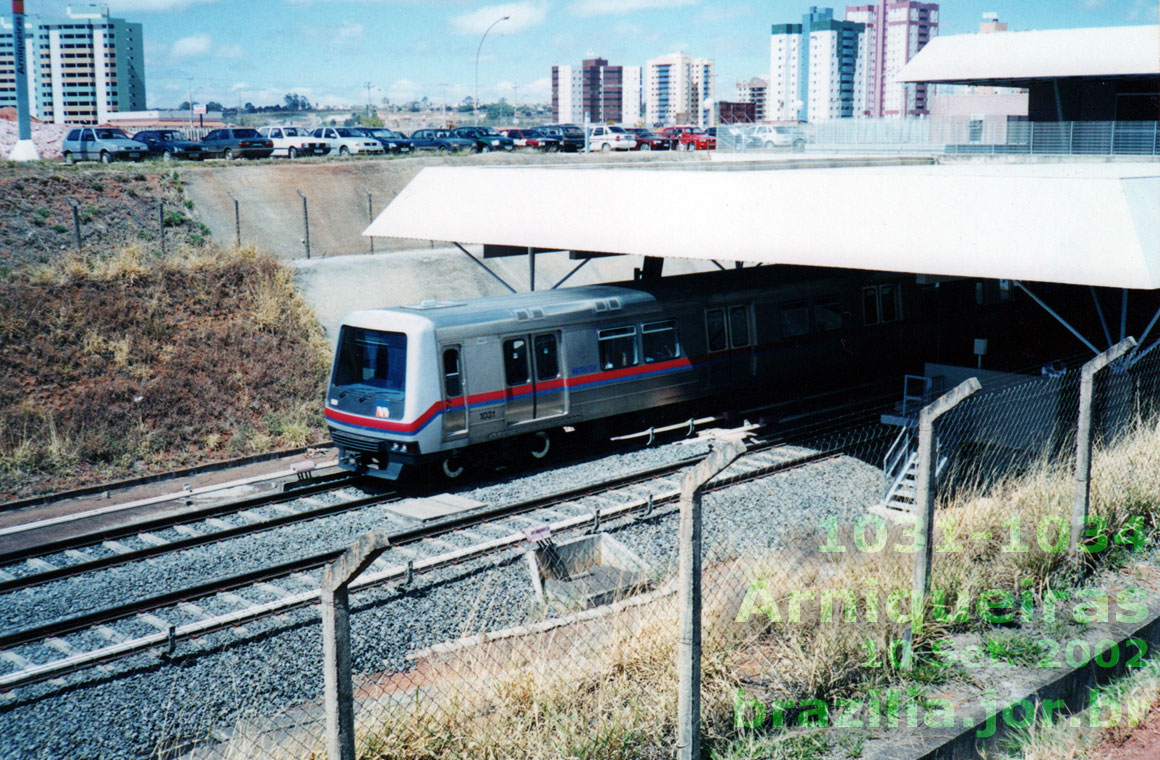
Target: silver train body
column 440, row 382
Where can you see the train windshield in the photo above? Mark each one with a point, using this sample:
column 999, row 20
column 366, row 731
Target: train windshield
column 372, row 358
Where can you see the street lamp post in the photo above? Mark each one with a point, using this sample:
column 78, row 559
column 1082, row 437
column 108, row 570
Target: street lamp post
column 475, row 103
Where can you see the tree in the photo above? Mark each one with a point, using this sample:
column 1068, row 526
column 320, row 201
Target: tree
column 249, row 108
column 213, row 105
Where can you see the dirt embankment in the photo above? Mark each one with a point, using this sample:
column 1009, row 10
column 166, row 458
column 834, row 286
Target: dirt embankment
column 116, row 206
column 116, row 366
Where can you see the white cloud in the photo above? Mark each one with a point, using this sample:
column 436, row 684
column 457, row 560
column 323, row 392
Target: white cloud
column 231, row 50
column 146, row 6
column 523, row 15
column 240, row 86
column 348, row 31
column 621, row 7
column 404, row 90
column 712, row 13
column 198, row 44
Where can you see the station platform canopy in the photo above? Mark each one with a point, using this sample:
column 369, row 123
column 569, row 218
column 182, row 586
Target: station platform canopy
column 1076, row 223
column 1017, row 59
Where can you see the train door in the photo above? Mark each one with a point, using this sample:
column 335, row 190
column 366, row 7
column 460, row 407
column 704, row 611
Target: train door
column 533, row 384
column 729, row 339
column 455, row 411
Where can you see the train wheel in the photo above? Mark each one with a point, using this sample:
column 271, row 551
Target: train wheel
column 539, row 445
column 453, row 467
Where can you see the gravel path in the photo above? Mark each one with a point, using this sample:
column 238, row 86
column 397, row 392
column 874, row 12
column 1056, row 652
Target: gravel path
column 215, row 681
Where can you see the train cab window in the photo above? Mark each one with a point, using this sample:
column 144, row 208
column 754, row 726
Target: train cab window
column 452, row 384
column 881, row 304
column 739, row 326
column 515, row 361
column 547, row 360
column 715, row 330
column 371, row 357
column 795, row 319
column 828, row 314
column 617, row 348
column 659, row 341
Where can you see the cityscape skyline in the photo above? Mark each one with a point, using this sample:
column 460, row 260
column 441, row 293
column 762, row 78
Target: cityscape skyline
column 228, row 52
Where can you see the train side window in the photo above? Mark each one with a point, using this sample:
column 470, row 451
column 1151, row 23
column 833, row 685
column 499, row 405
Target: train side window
column 870, row 313
column 617, row 348
column 659, row 341
column 452, row 385
column 739, row 326
column 715, row 329
column 795, row 319
column 547, row 360
column 828, row 314
column 515, row 361
column 888, row 297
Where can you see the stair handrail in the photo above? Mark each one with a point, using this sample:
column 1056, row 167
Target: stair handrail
column 893, row 469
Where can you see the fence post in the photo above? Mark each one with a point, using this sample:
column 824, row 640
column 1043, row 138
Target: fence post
column 161, row 224
column 237, row 222
column 1083, row 437
column 305, row 222
column 689, row 650
column 76, row 222
column 370, row 217
column 924, row 499
column 338, row 685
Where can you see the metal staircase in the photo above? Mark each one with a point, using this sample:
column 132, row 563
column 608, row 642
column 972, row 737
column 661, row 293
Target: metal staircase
column 900, row 471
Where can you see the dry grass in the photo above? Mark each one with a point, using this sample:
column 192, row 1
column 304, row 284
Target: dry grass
column 572, row 696
column 114, row 364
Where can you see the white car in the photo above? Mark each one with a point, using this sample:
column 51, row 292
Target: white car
column 292, row 142
column 768, row 137
column 346, row 142
column 611, row 138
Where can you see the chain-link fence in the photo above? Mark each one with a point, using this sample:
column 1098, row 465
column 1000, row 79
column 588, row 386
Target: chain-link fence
column 563, row 639
column 947, row 135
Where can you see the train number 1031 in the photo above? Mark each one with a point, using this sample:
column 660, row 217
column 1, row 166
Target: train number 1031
column 871, row 534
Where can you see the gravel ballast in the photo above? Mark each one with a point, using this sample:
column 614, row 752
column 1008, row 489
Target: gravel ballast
column 211, row 683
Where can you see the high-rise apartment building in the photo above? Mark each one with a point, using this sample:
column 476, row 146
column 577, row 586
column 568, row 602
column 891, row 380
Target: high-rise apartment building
column 815, row 67
column 896, row 30
column 756, row 91
column 80, row 68
column 680, row 89
column 596, row 92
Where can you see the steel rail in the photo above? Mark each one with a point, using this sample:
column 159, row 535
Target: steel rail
column 149, row 552
column 176, row 633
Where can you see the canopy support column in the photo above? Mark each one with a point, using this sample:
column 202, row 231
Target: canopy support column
column 485, row 268
column 1100, row 312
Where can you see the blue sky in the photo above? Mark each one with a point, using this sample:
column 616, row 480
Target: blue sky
column 239, row 51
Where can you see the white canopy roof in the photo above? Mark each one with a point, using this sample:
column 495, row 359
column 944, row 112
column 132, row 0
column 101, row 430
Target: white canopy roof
column 1021, row 56
column 1079, row 223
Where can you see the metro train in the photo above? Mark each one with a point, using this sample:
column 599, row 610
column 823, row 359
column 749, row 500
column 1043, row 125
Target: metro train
column 449, row 383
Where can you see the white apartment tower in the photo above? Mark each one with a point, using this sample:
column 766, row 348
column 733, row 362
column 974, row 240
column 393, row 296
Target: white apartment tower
column 80, row 68
column 815, row 68
column 680, row 89
column 895, row 31
column 756, row 91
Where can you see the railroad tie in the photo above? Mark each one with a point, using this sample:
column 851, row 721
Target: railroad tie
column 38, row 564
column 149, row 538
column 116, row 547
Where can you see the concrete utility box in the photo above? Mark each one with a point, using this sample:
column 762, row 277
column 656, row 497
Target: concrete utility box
column 585, row 572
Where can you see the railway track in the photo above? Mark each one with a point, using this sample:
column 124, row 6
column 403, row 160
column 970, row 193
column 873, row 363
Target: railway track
column 159, row 623
column 44, row 561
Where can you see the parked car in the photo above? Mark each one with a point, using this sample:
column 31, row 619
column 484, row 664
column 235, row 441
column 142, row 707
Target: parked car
column 533, row 139
column 768, row 136
column 611, row 138
column 392, row 141
column 485, row 138
column 441, row 140
column 293, row 142
column 237, row 142
column 690, row 137
column 104, row 144
column 571, row 137
column 347, row 141
column 169, row 144
column 646, row 140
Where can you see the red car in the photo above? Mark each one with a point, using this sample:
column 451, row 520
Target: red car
column 690, row 137
column 646, row 140
column 532, row 138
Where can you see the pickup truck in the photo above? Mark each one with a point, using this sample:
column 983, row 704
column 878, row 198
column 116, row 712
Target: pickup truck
column 292, row 142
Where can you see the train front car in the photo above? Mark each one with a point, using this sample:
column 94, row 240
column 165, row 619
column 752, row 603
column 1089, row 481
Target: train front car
column 381, row 415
